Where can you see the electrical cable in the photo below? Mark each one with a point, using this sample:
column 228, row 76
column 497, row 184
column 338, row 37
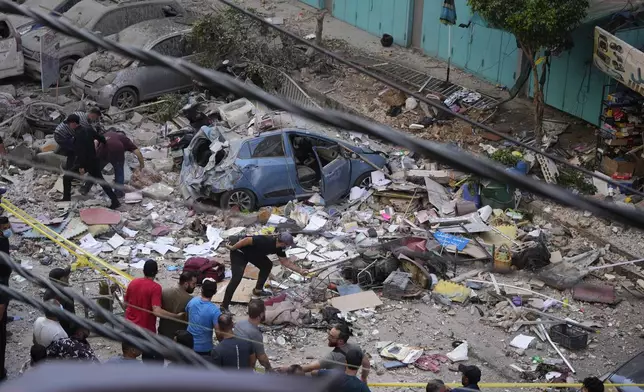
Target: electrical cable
column 445, row 154
column 148, row 342
column 421, row 98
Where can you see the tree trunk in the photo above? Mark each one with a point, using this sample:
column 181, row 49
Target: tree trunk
column 318, row 32
column 538, row 103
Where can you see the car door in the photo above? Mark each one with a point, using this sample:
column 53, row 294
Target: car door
column 336, row 173
column 266, row 169
column 11, row 61
column 153, row 80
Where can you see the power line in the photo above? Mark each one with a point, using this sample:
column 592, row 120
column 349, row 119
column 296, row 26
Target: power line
column 421, row 98
column 447, row 155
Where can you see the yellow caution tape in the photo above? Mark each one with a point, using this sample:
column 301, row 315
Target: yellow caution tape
column 82, row 256
column 493, row 385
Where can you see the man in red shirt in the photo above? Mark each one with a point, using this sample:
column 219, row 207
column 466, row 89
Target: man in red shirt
column 143, row 301
column 113, row 152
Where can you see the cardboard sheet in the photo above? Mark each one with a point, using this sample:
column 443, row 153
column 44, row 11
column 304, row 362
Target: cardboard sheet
column 349, row 303
column 243, row 294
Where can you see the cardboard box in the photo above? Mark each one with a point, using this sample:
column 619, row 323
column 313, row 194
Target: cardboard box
column 611, row 166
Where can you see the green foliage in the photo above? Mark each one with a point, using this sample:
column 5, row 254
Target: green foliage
column 230, row 35
column 505, row 157
column 575, row 179
column 166, row 111
column 537, row 24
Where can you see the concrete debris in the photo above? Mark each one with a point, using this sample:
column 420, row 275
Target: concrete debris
column 376, row 233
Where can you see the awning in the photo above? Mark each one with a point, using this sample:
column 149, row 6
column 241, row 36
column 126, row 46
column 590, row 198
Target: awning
column 618, row 59
column 602, row 8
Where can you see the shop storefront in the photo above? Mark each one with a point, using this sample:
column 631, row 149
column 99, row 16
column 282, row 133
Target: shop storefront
column 621, row 122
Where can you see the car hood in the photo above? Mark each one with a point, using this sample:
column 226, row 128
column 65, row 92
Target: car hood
column 17, row 21
column 31, row 40
column 98, row 65
column 196, row 181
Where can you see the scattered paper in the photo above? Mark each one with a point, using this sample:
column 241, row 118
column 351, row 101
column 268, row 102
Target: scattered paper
column 116, row 241
column 149, row 206
column 214, row 240
column 129, row 232
column 356, row 193
column 138, row 265
column 276, row 219
column 124, row 251
column 161, row 247
column 89, row 244
column 378, row 179
column 315, row 223
column 522, row 341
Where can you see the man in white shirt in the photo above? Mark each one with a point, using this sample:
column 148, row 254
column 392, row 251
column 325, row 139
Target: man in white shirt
column 47, row 329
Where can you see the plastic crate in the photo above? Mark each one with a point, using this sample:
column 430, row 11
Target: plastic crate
column 570, row 337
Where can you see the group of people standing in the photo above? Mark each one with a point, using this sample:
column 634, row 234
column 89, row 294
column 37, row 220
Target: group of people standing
column 77, row 139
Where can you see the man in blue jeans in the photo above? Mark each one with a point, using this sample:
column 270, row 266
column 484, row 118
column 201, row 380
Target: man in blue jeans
column 113, row 152
column 203, row 316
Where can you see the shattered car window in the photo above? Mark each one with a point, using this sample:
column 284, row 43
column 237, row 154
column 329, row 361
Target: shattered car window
column 119, row 19
column 170, row 47
column 270, row 146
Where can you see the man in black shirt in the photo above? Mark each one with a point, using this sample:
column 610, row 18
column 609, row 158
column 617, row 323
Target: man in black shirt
column 5, row 273
column 231, row 352
column 85, row 160
column 255, row 250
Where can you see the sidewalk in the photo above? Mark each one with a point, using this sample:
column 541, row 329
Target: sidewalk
column 301, row 18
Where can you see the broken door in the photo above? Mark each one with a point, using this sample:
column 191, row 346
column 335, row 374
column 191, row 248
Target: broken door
column 336, row 172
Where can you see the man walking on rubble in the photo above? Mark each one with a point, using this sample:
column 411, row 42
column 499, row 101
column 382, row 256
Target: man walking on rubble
column 113, row 152
column 65, row 131
column 143, row 303
column 337, row 358
column 84, row 159
column 255, row 250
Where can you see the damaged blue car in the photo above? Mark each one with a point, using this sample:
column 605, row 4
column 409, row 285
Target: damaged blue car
column 273, row 168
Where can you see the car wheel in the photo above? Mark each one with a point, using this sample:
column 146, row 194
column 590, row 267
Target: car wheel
column 65, row 71
column 364, row 181
column 125, row 98
column 243, row 199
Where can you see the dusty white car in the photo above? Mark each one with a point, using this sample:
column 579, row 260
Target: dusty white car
column 97, row 18
column 110, row 79
column 24, row 24
column 11, row 60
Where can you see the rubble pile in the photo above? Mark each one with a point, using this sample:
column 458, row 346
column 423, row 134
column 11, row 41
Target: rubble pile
column 416, row 234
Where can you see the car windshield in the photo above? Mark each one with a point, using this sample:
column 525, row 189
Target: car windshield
column 630, row 373
column 83, row 13
column 130, row 36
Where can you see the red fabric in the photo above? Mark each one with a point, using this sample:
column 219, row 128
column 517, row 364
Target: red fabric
column 115, row 147
column 143, row 293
